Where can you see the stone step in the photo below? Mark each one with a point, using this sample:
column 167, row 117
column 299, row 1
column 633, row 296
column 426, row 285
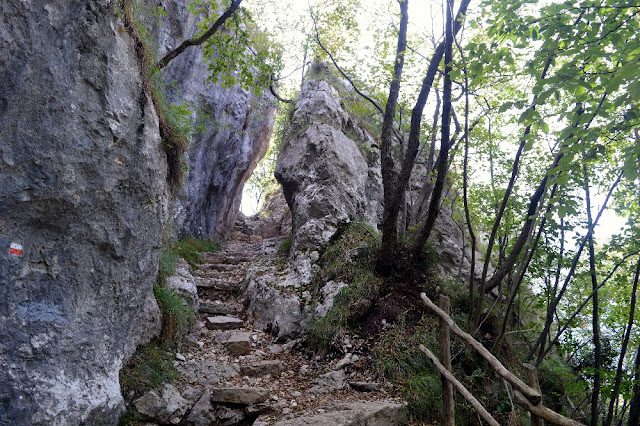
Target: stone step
column 224, row 322
column 221, row 267
column 230, row 260
column 262, row 368
column 238, row 344
column 208, row 307
column 222, row 275
column 222, row 296
column 245, row 396
column 220, row 285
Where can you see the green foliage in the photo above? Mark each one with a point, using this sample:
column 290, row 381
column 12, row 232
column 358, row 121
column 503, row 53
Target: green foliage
column 349, row 259
column 177, row 316
column 149, row 368
column 174, row 120
column 191, row 249
column 397, row 358
column 240, row 53
column 167, row 264
column 285, row 247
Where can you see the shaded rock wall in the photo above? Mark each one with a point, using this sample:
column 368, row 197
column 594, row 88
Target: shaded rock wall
column 237, row 126
column 83, row 193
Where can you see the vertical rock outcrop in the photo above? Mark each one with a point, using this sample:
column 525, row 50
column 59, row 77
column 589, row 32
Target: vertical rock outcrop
column 82, row 204
column 235, row 129
column 324, row 168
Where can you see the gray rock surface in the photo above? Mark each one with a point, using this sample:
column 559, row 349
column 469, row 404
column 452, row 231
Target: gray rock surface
column 262, row 368
column 201, row 414
column 165, row 405
column 324, row 175
column 223, row 322
column 355, row 414
column 329, row 382
column 243, row 396
column 236, row 124
column 238, row 344
column 83, row 192
column 184, row 284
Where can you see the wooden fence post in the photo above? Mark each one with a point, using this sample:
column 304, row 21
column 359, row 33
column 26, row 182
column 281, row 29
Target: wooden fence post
column 444, row 342
column 531, row 378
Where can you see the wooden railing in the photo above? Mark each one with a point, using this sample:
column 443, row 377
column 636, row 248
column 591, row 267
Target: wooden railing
column 527, row 395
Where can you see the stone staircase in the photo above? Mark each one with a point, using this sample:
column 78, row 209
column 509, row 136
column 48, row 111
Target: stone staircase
column 234, row 374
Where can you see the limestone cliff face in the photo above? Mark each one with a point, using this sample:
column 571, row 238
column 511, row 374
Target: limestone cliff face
column 237, row 126
column 82, row 204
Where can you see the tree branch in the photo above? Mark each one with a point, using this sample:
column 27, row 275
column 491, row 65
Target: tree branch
column 196, row 41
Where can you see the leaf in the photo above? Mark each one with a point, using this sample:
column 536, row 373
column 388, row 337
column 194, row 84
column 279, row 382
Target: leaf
column 634, row 90
column 544, row 127
column 505, row 106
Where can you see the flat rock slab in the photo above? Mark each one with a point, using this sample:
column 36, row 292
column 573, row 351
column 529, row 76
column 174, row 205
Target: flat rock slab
column 219, row 308
column 262, row 368
column 355, row 414
column 364, row 386
column 239, row 344
column 224, row 322
column 244, row 396
column 329, row 382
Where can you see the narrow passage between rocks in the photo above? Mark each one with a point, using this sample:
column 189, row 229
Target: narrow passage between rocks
column 239, row 375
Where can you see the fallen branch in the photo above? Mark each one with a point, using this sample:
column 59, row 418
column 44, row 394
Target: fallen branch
column 544, row 412
column 460, row 388
column 531, row 394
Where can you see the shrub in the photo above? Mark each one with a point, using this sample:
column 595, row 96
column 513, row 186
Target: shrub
column 149, row 367
column 191, row 249
column 177, row 316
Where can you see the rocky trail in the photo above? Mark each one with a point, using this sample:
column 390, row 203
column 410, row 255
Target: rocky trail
column 234, row 374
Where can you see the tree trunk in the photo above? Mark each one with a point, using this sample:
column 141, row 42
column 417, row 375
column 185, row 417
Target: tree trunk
column 595, row 319
column 443, row 156
column 634, row 411
column 623, row 350
column 394, row 198
column 389, row 225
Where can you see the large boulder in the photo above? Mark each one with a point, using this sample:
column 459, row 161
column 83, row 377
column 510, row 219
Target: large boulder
column 325, row 176
column 82, row 206
column 234, row 129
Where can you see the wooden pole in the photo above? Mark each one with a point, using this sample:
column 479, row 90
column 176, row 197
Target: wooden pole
column 532, row 380
column 531, row 394
column 544, row 412
column 444, row 343
column 460, row 388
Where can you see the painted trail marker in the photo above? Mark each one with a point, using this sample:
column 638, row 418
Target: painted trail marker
column 16, row 249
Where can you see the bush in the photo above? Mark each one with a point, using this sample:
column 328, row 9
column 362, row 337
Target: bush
column 149, row 368
column 350, row 259
column 177, row 316
column 191, row 249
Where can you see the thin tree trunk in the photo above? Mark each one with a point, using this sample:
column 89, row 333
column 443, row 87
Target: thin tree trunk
column 425, row 192
column 393, row 200
column 445, row 145
column 503, row 206
column 196, row 41
column 634, row 410
column 520, row 275
column 623, row 349
column 595, row 319
column 584, row 303
column 554, row 304
column 389, row 225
